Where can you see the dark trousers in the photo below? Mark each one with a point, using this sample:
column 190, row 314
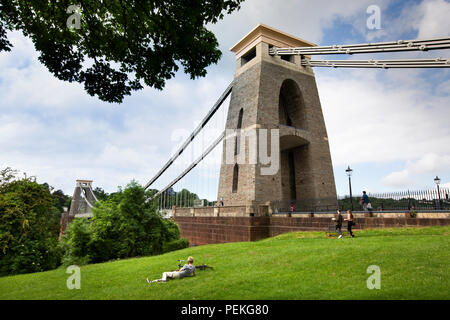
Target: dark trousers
column 349, row 227
column 338, row 229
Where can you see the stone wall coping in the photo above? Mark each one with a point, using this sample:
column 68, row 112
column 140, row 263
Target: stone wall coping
column 272, row 36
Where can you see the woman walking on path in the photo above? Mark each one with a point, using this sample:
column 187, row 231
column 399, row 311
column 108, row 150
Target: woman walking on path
column 350, row 222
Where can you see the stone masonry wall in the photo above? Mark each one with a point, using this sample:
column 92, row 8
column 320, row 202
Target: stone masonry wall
column 208, row 230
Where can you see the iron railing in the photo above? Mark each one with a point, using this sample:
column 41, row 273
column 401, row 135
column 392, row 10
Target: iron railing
column 417, row 200
column 305, row 205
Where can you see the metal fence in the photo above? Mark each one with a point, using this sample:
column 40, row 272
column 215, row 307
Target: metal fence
column 305, row 205
column 421, row 200
column 417, row 200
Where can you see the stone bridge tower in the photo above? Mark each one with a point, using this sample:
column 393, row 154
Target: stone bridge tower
column 273, row 92
column 83, row 199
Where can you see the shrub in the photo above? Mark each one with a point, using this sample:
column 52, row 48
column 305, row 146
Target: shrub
column 29, row 227
column 171, row 231
column 175, row 245
column 123, row 226
column 75, row 243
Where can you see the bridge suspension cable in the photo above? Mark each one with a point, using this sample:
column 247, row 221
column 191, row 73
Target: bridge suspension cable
column 391, row 46
column 191, row 166
column 385, row 64
column 191, row 137
column 84, row 194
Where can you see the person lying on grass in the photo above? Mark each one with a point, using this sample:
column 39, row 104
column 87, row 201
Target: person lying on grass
column 185, row 271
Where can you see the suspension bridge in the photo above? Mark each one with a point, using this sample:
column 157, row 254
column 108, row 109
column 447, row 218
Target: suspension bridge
column 273, row 89
column 291, row 53
column 83, row 201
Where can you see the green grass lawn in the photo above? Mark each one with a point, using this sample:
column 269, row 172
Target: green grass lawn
column 414, row 264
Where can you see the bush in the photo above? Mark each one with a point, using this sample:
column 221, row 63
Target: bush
column 171, row 230
column 75, row 243
column 175, row 245
column 29, row 227
column 123, row 226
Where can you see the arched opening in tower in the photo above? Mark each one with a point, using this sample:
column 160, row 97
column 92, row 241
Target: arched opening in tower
column 291, row 108
column 235, row 178
column 291, row 113
column 237, row 144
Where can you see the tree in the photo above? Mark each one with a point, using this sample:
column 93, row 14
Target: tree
column 7, row 175
column 100, row 194
column 124, row 225
column 29, row 226
column 61, row 200
column 113, row 46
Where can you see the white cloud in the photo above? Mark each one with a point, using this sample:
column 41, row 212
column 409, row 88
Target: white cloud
column 372, row 116
column 55, row 131
column 305, row 19
column 435, row 20
column 429, row 19
column 426, row 19
column 429, row 164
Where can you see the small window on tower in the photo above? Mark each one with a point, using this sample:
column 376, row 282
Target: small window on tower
column 237, row 144
column 248, row 56
column 288, row 58
column 235, row 178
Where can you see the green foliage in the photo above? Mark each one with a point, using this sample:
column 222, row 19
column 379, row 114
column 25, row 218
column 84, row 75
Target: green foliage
column 183, row 198
column 117, row 45
column 384, row 203
column 7, row 174
column 123, row 226
column 100, row 194
column 175, row 245
column 60, row 200
column 173, row 232
column 29, row 226
column 293, row 266
column 75, row 242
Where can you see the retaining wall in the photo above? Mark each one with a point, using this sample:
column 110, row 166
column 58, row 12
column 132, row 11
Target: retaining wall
column 221, row 229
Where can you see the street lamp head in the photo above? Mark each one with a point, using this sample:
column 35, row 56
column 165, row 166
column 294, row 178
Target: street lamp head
column 437, row 180
column 349, row 171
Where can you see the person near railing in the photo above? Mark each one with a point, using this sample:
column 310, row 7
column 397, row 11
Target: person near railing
column 364, row 201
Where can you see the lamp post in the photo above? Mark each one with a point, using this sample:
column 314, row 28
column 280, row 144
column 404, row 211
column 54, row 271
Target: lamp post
column 349, row 171
column 438, row 181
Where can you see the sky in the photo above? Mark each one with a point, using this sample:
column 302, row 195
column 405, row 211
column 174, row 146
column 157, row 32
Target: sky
column 390, row 126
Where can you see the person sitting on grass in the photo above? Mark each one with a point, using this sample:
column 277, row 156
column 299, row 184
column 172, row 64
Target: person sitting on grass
column 185, row 271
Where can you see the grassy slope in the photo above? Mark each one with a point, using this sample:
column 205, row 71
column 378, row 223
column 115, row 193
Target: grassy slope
column 414, row 265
